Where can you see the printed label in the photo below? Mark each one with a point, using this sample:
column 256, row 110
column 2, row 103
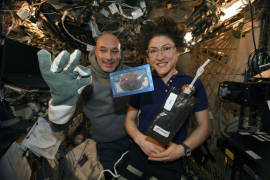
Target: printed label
column 142, row 4
column 137, row 13
column 211, row 115
column 89, row 47
column 170, row 101
column 244, row 133
column 104, row 12
column 23, row 12
column 161, row 131
column 113, row 8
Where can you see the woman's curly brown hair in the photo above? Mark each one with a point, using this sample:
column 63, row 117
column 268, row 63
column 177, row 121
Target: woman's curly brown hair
column 161, row 26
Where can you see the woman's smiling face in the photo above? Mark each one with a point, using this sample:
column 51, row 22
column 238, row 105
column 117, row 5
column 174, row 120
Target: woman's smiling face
column 163, row 55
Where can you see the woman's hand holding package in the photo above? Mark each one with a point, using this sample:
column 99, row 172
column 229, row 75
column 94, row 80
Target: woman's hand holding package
column 147, row 147
column 173, row 152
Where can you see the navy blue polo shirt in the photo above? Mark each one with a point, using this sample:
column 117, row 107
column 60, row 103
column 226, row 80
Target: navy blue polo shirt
column 150, row 103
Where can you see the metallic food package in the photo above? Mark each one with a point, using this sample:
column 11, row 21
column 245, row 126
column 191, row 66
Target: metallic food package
column 176, row 109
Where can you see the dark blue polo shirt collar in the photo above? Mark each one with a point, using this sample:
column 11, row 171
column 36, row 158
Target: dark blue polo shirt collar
column 179, row 74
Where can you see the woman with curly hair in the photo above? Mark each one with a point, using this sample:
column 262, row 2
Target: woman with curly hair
column 162, row 42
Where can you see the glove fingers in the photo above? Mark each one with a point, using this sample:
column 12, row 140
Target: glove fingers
column 44, row 60
column 73, row 60
column 60, row 61
column 83, row 82
column 83, row 71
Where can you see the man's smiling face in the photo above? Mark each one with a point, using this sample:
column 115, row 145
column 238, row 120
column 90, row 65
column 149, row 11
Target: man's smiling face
column 108, row 52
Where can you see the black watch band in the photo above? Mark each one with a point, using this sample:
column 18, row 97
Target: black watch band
column 187, row 150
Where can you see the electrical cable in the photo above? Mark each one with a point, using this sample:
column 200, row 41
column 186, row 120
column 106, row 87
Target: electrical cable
column 211, row 9
column 115, row 174
column 64, row 27
column 123, row 14
column 252, row 26
column 255, row 56
column 40, row 3
column 51, row 13
column 126, row 5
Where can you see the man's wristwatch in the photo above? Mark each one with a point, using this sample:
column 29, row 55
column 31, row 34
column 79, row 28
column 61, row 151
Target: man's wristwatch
column 187, row 150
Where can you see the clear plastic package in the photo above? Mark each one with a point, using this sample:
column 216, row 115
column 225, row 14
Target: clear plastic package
column 131, row 81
